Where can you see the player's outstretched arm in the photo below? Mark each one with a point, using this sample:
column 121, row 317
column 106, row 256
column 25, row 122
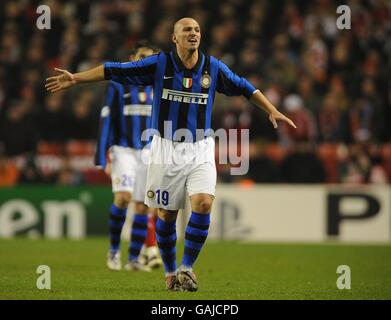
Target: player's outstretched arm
column 66, row 79
column 231, row 84
column 274, row 115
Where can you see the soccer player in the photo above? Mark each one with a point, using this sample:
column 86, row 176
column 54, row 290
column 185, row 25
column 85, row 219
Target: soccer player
column 185, row 81
column 124, row 116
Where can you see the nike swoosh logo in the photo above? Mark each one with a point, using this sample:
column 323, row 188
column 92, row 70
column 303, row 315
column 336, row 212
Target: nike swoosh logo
column 164, row 77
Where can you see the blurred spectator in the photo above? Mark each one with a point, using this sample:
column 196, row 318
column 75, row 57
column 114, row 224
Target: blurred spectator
column 82, row 121
column 378, row 114
column 261, row 168
column 355, row 165
column 306, row 126
column 302, row 165
column 331, row 127
column 311, row 100
column 293, row 20
column 280, row 68
column 360, row 120
column 51, row 119
column 10, row 47
column 337, row 90
column 2, row 95
column 17, row 132
column 68, row 176
column 322, row 15
column 240, row 114
column 362, row 163
column 342, row 58
column 9, row 173
column 30, row 173
column 378, row 174
column 248, row 61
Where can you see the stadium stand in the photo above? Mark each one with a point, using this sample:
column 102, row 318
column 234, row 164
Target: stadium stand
column 288, row 48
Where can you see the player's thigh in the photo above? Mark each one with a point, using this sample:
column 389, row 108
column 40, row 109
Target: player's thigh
column 201, row 182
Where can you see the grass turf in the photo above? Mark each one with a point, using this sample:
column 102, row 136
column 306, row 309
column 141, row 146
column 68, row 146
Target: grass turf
column 225, row 270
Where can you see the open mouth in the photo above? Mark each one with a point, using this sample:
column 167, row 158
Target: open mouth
column 193, row 40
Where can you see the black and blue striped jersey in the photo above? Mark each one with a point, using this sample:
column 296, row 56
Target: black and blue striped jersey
column 124, row 117
column 182, row 97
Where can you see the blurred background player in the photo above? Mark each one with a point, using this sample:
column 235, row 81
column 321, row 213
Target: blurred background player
column 124, row 116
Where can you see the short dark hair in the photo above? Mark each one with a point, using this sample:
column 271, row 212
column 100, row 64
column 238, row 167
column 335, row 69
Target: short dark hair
column 144, row 44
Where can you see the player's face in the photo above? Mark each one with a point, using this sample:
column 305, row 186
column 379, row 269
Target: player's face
column 187, row 34
column 143, row 53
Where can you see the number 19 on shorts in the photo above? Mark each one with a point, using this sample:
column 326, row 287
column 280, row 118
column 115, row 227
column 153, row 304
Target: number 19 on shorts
column 162, row 197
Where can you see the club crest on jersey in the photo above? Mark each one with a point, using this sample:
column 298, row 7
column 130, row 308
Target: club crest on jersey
column 206, row 81
column 187, row 82
column 150, row 194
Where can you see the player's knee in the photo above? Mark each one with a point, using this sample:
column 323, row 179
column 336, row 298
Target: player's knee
column 122, row 199
column 205, row 206
column 141, row 208
column 167, row 215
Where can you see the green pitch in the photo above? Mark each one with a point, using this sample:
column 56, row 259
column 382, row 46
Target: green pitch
column 225, row 270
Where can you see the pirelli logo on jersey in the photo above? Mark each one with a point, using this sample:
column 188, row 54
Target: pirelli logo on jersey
column 185, row 97
column 138, row 110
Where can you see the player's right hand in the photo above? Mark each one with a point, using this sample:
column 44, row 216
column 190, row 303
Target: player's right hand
column 61, row 82
column 276, row 115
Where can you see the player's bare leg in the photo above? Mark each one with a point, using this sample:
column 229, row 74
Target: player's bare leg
column 166, row 240
column 195, row 236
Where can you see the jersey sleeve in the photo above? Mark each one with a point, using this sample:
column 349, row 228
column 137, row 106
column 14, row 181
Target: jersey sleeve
column 141, row 72
column 230, row 84
column 106, row 125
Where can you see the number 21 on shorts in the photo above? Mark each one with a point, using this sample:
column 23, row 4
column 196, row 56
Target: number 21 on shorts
column 162, row 196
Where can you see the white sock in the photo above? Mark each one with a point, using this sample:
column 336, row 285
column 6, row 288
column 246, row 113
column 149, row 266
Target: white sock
column 167, row 274
column 185, row 268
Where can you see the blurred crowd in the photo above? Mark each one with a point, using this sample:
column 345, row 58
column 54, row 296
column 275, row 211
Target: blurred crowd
column 333, row 83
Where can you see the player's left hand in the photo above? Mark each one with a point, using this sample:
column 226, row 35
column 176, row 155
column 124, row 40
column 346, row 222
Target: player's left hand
column 278, row 116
